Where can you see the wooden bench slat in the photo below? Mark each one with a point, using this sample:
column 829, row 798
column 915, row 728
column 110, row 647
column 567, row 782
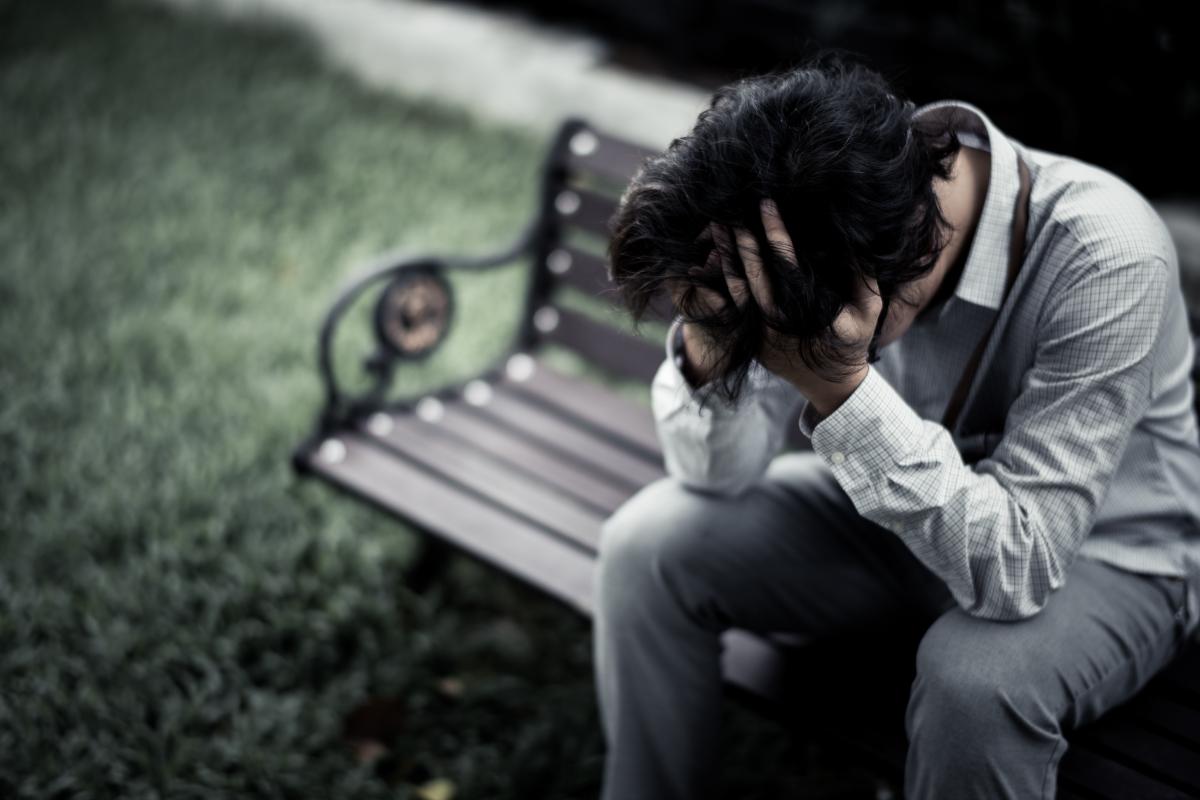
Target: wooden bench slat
column 595, row 406
column 588, row 273
column 752, row 665
column 615, row 160
column 1143, row 749
column 461, row 518
column 587, row 209
column 1095, row 775
column 618, row 464
column 616, row 351
column 1183, row 675
column 589, row 487
column 499, row 481
column 1155, row 709
column 584, row 271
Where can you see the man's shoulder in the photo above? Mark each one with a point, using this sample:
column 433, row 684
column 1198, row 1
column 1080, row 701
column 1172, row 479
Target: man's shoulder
column 1108, row 222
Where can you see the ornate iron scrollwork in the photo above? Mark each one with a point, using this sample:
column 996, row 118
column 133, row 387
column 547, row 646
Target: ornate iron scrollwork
column 413, row 313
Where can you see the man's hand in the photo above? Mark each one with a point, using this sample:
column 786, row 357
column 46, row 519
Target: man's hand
column 702, row 354
column 854, row 326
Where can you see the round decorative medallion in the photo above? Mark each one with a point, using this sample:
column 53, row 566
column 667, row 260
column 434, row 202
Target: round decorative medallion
column 413, row 313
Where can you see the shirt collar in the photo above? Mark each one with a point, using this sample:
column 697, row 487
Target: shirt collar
column 983, row 277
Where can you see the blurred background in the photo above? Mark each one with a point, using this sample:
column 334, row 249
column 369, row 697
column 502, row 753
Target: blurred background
column 184, row 185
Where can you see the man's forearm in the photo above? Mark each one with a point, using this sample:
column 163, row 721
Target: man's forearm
column 697, row 368
column 727, row 446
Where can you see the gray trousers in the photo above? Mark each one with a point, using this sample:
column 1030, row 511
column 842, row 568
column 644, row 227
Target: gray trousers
column 990, row 702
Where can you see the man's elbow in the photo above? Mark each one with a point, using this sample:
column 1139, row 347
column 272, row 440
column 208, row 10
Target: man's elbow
column 699, row 472
column 1009, row 607
column 1008, row 590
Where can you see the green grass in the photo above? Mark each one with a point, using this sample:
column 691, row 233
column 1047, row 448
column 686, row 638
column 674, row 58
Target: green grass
column 179, row 616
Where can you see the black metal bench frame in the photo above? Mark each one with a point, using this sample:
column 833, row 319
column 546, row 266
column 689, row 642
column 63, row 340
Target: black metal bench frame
column 518, row 467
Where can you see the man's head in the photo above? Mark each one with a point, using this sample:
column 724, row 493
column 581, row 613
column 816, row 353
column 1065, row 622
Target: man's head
column 851, row 173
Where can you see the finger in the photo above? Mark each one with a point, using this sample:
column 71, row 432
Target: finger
column 870, row 300
column 755, row 274
column 777, row 234
column 856, row 322
column 720, row 234
column 872, row 288
column 738, row 289
column 677, row 288
column 710, row 300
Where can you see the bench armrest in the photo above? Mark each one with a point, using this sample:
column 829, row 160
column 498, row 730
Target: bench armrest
column 390, row 268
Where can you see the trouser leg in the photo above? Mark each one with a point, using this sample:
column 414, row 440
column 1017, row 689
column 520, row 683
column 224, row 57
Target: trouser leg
column 678, row 566
column 991, row 699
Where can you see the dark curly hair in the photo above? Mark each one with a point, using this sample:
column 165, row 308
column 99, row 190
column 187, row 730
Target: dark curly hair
column 851, row 172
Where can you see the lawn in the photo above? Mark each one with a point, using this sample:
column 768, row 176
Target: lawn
column 180, row 617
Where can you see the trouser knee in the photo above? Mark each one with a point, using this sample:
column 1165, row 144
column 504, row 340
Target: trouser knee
column 650, row 545
column 968, row 698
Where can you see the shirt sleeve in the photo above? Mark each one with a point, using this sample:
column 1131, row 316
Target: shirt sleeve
column 721, row 448
column 1003, row 532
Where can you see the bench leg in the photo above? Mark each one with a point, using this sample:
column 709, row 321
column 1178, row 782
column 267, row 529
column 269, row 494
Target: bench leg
column 427, row 566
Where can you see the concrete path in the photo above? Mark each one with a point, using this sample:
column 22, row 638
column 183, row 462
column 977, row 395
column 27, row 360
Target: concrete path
column 525, row 73
column 502, row 66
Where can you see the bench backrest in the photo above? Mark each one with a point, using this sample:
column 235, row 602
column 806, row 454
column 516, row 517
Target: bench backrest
column 583, row 176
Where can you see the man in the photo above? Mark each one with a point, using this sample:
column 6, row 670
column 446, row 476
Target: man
column 832, row 247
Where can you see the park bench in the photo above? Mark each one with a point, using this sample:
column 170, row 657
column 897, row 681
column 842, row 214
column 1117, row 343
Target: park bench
column 519, row 466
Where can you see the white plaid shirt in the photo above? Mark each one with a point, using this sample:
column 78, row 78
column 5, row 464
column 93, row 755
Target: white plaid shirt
column 1085, row 439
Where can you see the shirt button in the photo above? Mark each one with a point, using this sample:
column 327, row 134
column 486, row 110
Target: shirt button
column 837, row 456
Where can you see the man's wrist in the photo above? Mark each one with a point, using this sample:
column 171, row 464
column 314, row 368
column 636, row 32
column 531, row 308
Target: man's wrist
column 830, row 396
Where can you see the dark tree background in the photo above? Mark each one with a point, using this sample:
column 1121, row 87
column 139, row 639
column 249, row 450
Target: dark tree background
column 1113, row 82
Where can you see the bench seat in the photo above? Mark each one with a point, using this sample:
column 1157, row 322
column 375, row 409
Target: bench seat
column 523, row 476
column 520, row 466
